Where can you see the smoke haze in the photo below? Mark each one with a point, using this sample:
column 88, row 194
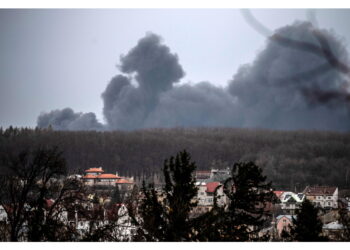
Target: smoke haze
column 283, row 88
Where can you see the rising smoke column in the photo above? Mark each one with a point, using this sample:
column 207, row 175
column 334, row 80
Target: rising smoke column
column 155, row 69
column 285, row 87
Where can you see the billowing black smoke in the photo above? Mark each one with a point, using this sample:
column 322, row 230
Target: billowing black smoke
column 291, row 87
column 286, row 87
column 155, row 71
column 66, row 119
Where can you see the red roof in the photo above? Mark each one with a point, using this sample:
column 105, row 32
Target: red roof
column 278, row 193
column 94, row 170
column 123, row 181
column 89, row 176
column 107, row 176
column 211, row 186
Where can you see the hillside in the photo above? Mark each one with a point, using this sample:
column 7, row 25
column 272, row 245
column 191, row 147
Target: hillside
column 291, row 159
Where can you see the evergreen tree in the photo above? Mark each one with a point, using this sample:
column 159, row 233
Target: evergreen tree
column 165, row 213
column 307, row 226
column 248, row 195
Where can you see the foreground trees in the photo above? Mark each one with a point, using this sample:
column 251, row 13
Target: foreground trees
column 248, row 197
column 307, row 226
column 31, row 179
column 165, row 213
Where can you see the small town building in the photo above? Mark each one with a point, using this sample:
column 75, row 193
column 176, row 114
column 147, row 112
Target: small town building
column 125, row 184
column 333, row 230
column 290, row 202
column 283, row 223
column 322, row 196
column 97, row 176
column 205, row 196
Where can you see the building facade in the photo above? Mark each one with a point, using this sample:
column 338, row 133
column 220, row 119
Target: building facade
column 322, row 196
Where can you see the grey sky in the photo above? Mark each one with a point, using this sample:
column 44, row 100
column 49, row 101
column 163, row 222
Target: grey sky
column 52, row 59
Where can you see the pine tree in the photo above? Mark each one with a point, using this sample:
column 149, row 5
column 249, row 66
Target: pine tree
column 307, row 226
column 248, row 195
column 165, row 213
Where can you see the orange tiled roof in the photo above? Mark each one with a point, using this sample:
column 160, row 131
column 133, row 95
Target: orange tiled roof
column 107, row 176
column 123, row 181
column 94, row 170
column 211, row 186
column 89, row 176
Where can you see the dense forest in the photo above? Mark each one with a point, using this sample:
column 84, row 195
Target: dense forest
column 290, row 159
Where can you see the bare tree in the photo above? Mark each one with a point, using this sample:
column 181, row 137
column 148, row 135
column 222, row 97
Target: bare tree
column 33, row 178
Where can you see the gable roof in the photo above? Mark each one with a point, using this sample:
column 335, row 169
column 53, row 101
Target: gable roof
column 289, row 217
column 292, row 197
column 211, row 186
column 319, row 190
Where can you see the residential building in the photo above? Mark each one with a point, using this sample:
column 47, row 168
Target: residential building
column 125, row 184
column 333, row 230
column 205, row 196
column 322, row 196
column 290, row 202
column 283, row 223
column 96, row 176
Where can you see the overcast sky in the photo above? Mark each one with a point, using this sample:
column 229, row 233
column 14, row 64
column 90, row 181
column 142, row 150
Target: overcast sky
column 52, row 59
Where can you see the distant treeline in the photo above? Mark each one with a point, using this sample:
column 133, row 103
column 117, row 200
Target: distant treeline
column 290, row 159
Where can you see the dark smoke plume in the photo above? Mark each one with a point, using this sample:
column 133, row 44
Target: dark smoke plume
column 155, row 70
column 290, row 87
column 285, row 87
column 66, row 119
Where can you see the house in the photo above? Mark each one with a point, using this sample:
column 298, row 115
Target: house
column 115, row 218
column 125, row 184
column 205, row 196
column 213, row 175
column 96, row 176
column 322, row 196
column 333, row 230
column 283, row 223
column 290, row 202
